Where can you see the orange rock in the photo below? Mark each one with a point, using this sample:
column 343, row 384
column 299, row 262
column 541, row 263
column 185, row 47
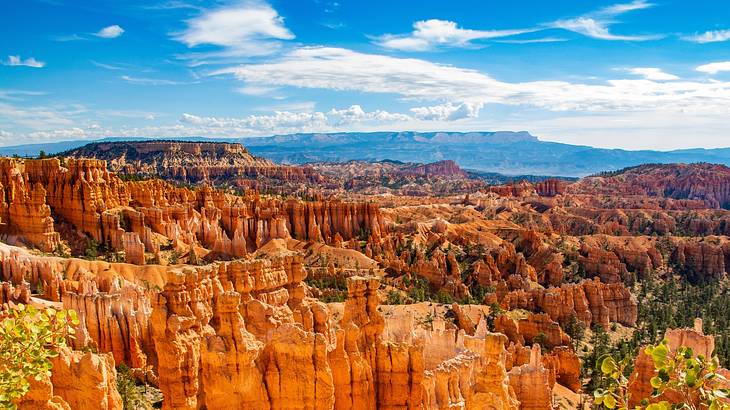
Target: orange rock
column 590, row 301
column 531, row 383
column 41, row 397
column 86, row 380
column 23, row 208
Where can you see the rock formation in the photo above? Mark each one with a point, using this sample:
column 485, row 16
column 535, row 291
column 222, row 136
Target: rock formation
column 591, row 301
column 225, row 297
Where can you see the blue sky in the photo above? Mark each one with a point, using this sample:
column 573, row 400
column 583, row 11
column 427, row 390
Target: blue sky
column 634, row 74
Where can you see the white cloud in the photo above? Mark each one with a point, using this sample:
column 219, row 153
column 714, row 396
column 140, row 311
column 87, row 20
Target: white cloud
column 415, row 79
column 113, row 31
column 714, row 68
column 709, row 36
column 429, row 34
column 598, row 29
column 279, row 122
column 356, row 114
column 257, row 91
column 38, row 117
column 652, row 73
column 18, row 95
column 628, row 130
column 28, row 62
column 447, row 112
column 621, row 8
column 285, row 121
column 107, row 66
column 342, row 69
column 250, row 28
column 288, row 106
column 62, row 134
column 596, row 25
column 68, row 37
column 532, row 40
column 434, row 33
column 151, row 81
column 172, row 5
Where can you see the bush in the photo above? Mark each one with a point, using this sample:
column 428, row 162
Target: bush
column 29, row 337
column 133, row 397
column 334, row 288
column 92, row 249
column 574, row 328
column 394, row 298
column 540, row 339
column 689, row 379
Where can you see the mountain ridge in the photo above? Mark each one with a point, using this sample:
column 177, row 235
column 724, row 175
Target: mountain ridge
column 504, row 152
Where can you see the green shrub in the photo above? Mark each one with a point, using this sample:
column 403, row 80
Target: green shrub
column 689, row 379
column 394, row 298
column 29, row 337
column 92, row 249
column 133, row 397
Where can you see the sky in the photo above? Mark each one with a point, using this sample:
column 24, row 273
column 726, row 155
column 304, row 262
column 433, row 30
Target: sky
column 641, row 74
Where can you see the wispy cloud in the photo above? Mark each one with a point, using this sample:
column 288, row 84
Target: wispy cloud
column 532, row 40
column 333, row 25
column 112, row 31
column 18, row 95
column 652, row 73
column 39, row 117
column 430, row 34
column 712, row 36
column 68, row 37
column 257, row 91
column 173, row 5
column 616, row 9
column 152, row 81
column 251, row 28
column 306, row 106
column 108, row 32
column 596, row 24
column 106, row 66
column 28, row 62
column 598, row 29
column 714, row 68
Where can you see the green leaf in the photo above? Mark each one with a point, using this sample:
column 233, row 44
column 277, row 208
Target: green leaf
column 74, row 317
column 659, row 355
column 656, row 382
column 691, row 381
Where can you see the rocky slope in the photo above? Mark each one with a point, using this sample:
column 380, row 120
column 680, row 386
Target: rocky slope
column 231, row 166
column 194, row 162
column 392, row 177
column 222, row 300
column 688, row 183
